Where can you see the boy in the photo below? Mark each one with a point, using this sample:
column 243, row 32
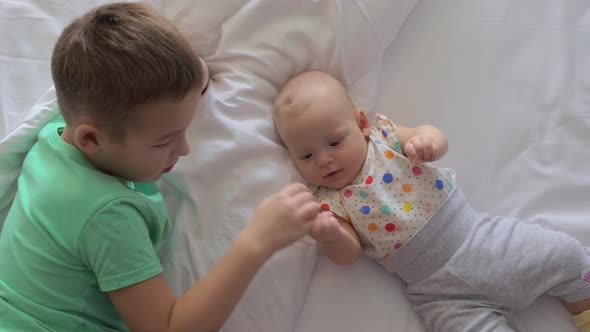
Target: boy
column 79, row 248
column 464, row 271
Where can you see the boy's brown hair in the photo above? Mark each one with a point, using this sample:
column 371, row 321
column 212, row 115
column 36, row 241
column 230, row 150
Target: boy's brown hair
column 119, row 56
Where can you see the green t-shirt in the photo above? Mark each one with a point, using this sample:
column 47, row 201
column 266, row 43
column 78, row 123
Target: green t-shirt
column 72, row 234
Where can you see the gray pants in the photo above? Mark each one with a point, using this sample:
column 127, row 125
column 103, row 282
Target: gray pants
column 467, row 271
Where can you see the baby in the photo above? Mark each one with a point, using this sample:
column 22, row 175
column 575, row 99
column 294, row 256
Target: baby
column 464, row 271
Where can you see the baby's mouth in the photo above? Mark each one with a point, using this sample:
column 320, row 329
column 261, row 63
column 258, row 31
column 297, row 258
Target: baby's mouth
column 331, row 174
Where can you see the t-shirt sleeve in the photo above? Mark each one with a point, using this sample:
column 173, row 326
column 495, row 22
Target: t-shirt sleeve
column 330, row 200
column 388, row 132
column 115, row 244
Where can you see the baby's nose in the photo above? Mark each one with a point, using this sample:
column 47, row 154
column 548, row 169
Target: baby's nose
column 325, row 159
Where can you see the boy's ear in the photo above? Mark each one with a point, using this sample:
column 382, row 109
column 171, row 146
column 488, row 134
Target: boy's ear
column 88, row 138
column 205, row 83
column 363, row 122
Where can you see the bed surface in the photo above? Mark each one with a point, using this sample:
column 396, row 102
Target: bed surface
column 507, row 80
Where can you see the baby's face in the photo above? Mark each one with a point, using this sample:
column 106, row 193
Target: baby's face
column 326, row 141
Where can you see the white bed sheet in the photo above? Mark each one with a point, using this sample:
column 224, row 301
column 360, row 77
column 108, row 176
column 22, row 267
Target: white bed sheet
column 506, row 79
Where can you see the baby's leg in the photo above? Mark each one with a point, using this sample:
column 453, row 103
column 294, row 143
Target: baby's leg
column 447, row 302
column 462, row 315
column 513, row 263
column 575, row 293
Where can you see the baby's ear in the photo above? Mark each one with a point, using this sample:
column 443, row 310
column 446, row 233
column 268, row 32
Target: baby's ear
column 363, row 122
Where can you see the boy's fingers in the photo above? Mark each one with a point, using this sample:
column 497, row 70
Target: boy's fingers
column 302, row 197
column 294, row 188
column 310, row 210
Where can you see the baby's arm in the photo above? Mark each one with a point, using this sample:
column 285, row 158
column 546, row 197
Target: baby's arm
column 337, row 239
column 423, row 143
column 278, row 221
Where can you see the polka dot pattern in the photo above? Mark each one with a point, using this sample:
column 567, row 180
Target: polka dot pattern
column 365, row 209
column 387, row 178
column 407, row 207
column 416, row 170
column 391, row 198
column 407, row 188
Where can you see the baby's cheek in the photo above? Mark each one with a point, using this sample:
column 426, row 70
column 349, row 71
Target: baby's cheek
column 356, row 158
column 308, row 173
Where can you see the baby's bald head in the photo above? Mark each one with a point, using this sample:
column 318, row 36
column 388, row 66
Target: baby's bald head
column 304, row 90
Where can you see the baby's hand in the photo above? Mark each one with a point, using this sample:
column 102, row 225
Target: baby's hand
column 421, row 149
column 325, row 227
column 282, row 218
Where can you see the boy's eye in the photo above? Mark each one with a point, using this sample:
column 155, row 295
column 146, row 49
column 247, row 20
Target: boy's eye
column 161, row 145
column 335, row 143
column 307, row 156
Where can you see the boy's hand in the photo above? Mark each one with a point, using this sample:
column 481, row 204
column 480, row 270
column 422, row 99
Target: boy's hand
column 283, row 218
column 421, row 149
column 325, row 227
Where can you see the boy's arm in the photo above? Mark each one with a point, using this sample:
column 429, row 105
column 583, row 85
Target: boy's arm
column 150, row 305
column 279, row 220
column 424, row 143
column 337, row 239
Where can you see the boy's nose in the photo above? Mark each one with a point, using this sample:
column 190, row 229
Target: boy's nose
column 184, row 148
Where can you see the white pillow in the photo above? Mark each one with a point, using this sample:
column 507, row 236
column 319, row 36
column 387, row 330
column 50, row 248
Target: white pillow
column 252, row 48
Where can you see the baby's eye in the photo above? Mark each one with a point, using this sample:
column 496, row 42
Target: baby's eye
column 335, row 143
column 307, row 156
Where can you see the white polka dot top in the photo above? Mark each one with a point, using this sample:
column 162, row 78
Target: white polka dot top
column 391, row 198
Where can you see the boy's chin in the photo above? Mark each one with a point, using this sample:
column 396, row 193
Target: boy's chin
column 148, row 179
column 155, row 178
